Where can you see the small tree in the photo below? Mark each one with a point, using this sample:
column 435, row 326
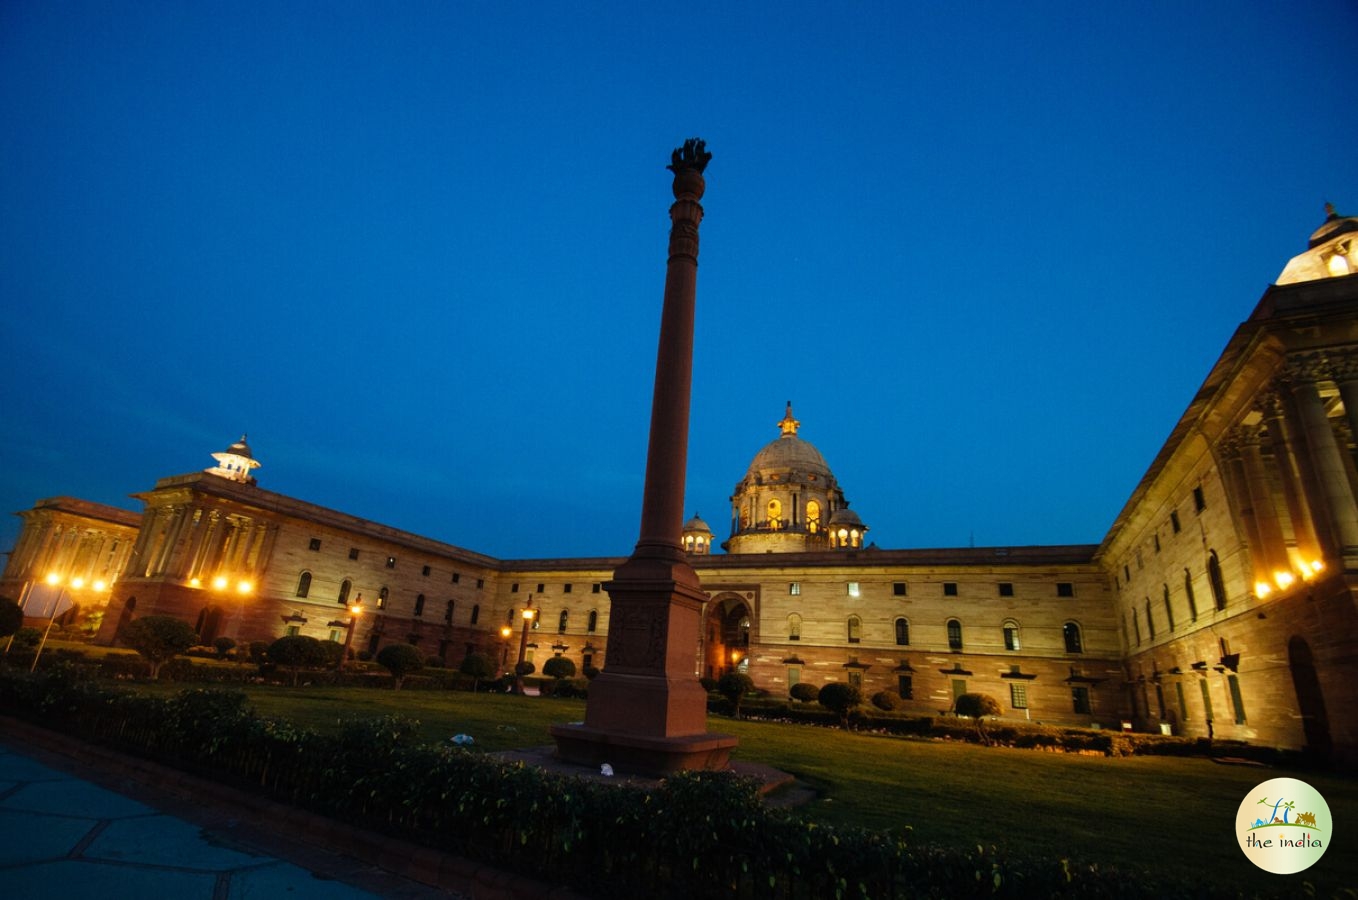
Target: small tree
column 558, row 667
column 298, row 651
column 806, row 693
column 11, row 620
column 223, row 646
column 400, row 660
column 158, row 639
column 840, row 698
column 478, row 666
column 734, row 686
column 978, row 706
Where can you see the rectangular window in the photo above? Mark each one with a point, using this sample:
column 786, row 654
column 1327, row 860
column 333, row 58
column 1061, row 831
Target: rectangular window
column 1018, row 695
column 334, row 635
column 1206, row 699
column 959, row 687
column 1174, row 522
column 1237, row 700
column 950, row 589
column 353, row 553
column 457, row 576
column 595, row 588
column 541, row 588
column 566, row 589
column 391, row 562
column 1156, row 538
column 514, row 588
column 905, row 686
column 795, row 588
column 480, row 583
column 1011, row 637
column 294, row 630
column 1065, row 589
column 1006, row 589
column 856, row 677
column 794, row 676
column 1079, row 697
column 1199, row 500
column 898, row 588
column 853, row 589
column 1183, row 701
column 315, row 543
column 425, row 571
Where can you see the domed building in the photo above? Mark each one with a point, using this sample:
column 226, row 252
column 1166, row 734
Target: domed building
column 789, row 501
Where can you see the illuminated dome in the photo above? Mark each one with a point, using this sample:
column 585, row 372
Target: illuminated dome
column 235, row 463
column 1332, row 251
column 697, row 536
column 787, row 498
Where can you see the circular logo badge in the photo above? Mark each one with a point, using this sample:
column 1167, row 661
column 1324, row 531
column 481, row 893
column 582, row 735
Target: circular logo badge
column 1284, row 826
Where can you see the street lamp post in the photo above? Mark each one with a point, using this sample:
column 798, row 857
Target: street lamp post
column 355, row 610
column 528, row 615
column 505, row 632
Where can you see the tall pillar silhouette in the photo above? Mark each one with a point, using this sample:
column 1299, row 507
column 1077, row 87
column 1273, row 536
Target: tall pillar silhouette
column 646, row 712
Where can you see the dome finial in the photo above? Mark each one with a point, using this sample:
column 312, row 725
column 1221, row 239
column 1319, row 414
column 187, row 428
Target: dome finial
column 789, row 425
column 1329, row 210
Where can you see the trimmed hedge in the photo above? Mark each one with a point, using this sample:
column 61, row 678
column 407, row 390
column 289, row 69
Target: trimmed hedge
column 696, row 834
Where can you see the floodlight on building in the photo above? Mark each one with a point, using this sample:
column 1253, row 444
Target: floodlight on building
column 100, row 584
column 1261, row 589
column 1317, row 566
column 1283, row 580
column 244, row 587
column 77, row 582
column 53, row 578
column 220, row 582
column 195, row 582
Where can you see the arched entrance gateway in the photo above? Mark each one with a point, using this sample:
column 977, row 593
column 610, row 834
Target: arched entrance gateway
column 1310, row 700
column 726, row 635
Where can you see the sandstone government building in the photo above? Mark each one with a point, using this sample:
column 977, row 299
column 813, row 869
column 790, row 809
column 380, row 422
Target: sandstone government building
column 1221, row 601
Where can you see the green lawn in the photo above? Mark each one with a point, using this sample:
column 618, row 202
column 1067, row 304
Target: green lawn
column 1169, row 814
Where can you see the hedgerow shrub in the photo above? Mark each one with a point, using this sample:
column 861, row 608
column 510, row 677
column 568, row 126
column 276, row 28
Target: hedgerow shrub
column 887, row 701
column 806, row 693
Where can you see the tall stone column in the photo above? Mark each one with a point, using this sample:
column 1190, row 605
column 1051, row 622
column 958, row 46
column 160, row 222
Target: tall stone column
column 1285, row 458
column 647, row 713
column 1327, row 464
column 1272, row 554
column 1344, row 368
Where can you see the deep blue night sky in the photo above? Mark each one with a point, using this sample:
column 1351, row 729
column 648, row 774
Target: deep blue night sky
column 417, row 250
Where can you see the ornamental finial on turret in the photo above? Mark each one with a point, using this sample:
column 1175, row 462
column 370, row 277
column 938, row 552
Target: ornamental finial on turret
column 1329, row 209
column 693, row 155
column 789, row 425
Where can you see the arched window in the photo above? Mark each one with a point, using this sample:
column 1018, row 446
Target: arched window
column 1192, row 600
column 561, row 621
column 537, row 618
column 1074, row 641
column 1214, row 579
column 812, row 516
column 954, row 634
column 1150, row 620
column 794, row 627
column 1011, row 635
column 902, row 632
column 855, row 629
column 448, row 612
column 1169, row 611
column 775, row 509
column 855, row 538
column 345, row 587
column 419, row 604
column 304, row 584
column 382, row 596
column 1136, row 627
column 593, row 621
column 476, row 613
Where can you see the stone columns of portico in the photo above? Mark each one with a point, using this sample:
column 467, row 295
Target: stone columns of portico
column 1285, row 449
column 1272, row 552
column 1343, row 366
column 1339, row 525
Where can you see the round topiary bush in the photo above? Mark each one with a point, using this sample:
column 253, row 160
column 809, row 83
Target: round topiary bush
column 558, row 667
column 590, row 672
column 887, row 701
column 840, row 698
column 734, row 686
column 806, row 693
column 400, row 660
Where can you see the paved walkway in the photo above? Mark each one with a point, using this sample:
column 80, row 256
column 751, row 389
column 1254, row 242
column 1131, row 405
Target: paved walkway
column 63, row 835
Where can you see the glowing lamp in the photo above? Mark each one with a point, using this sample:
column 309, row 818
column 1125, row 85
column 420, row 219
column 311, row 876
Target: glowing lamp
column 219, row 582
column 1261, row 589
column 100, row 584
column 53, row 578
column 195, row 582
column 505, row 631
column 244, row 587
column 1317, row 566
column 528, row 614
column 1283, row 580
column 356, row 608
column 77, row 582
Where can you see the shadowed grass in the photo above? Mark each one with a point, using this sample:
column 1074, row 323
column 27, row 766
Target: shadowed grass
column 1173, row 815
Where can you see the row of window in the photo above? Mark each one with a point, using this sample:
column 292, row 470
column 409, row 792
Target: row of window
column 1070, row 632
column 596, row 588
column 1234, row 694
column 1175, row 526
column 1215, row 582
column 562, row 621
column 900, row 588
column 391, row 564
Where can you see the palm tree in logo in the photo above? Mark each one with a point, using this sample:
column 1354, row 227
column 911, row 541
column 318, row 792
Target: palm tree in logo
column 1273, row 816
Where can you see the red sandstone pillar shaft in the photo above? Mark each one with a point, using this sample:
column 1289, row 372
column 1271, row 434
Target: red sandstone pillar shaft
column 662, row 505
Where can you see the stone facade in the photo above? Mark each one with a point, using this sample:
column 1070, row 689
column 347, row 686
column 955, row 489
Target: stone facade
column 1220, row 602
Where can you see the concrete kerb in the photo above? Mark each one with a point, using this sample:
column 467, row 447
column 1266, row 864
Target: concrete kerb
column 153, row 782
